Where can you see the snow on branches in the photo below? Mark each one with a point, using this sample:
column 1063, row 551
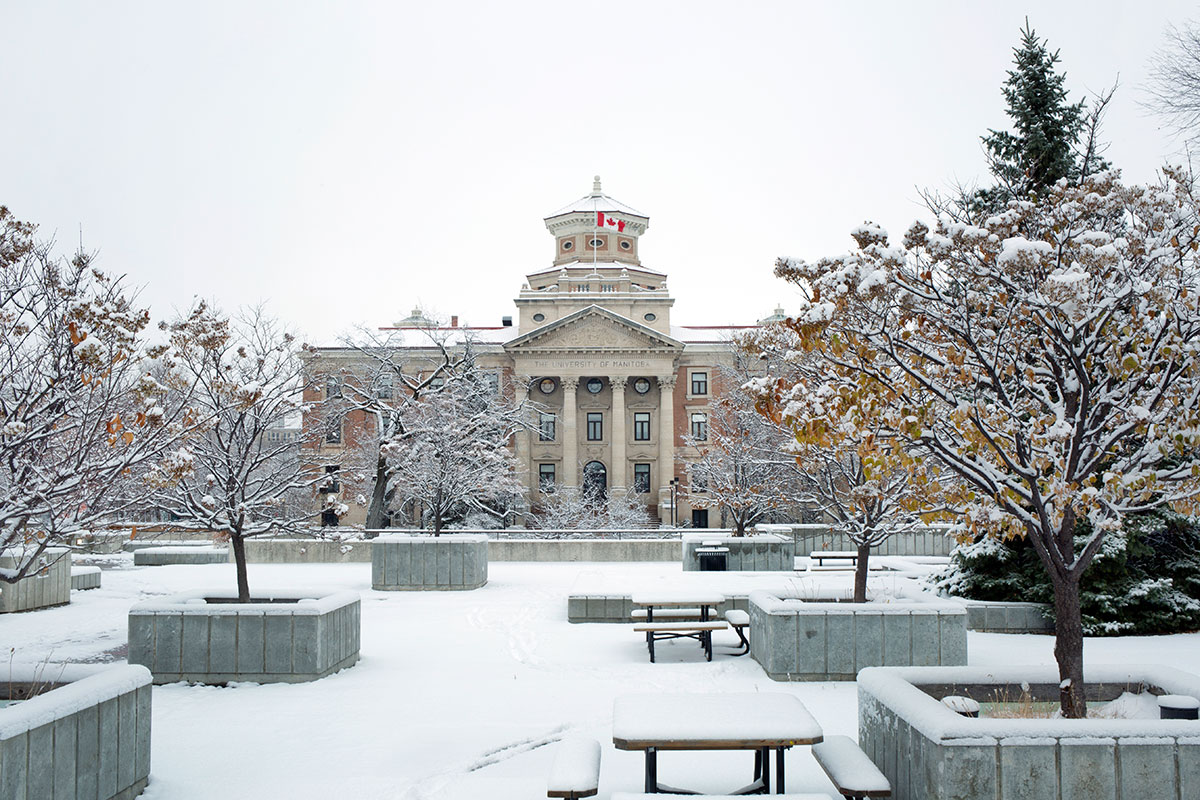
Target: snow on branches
column 1046, row 355
column 80, row 417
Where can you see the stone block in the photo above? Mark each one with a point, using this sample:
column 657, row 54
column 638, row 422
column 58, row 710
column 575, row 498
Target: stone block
column 1029, row 771
column 40, row 782
column 1088, row 769
column 106, row 775
column 1142, row 763
column 277, row 642
column 809, row 646
column 1189, row 767
column 168, row 642
column 953, row 639
column 839, row 644
column 222, row 641
column 897, row 639
column 87, row 750
column 195, row 643
column 66, row 733
column 126, row 738
column 868, row 638
column 926, row 640
column 251, row 640
column 576, row 609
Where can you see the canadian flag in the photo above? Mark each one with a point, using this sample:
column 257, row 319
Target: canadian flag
column 601, row 221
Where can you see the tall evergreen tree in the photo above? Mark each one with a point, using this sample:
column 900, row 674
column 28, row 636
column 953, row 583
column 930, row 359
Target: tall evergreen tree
column 1044, row 145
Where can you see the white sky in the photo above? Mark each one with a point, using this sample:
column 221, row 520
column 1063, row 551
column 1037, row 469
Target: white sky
column 346, row 161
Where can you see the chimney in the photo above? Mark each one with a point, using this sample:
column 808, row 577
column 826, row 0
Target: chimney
column 506, row 322
column 454, row 321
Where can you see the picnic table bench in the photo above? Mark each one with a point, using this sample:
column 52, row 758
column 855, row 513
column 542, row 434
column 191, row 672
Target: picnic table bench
column 850, row 769
column 760, row 722
column 576, row 769
column 740, row 622
column 680, row 616
column 841, row 559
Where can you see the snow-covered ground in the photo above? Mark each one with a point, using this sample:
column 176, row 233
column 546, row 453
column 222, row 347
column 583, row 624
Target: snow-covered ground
column 457, row 693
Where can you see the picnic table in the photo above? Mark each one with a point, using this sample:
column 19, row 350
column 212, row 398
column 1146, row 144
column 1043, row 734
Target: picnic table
column 760, row 722
column 690, row 613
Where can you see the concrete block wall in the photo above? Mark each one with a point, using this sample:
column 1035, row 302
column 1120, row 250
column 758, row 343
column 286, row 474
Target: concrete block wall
column 89, row 739
column 85, row 578
column 627, row 550
column 929, row 542
column 619, row 607
column 930, row 753
column 806, row 641
column 306, row 551
column 268, row 641
column 48, row 586
column 758, row 553
column 413, row 563
column 161, row 556
column 997, row 617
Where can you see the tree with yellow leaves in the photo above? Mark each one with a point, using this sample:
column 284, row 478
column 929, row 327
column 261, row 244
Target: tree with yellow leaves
column 1046, row 356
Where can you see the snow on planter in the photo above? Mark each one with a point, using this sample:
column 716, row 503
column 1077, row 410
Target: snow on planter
column 929, row 752
column 48, row 585
column 799, row 640
column 90, row 738
column 405, row 562
column 761, row 552
column 279, row 637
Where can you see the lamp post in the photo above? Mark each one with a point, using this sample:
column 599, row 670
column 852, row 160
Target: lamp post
column 674, row 482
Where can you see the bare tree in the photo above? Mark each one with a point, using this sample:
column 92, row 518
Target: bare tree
column 453, row 455
column 80, row 417
column 231, row 479
column 1174, row 87
column 737, row 457
column 565, row 509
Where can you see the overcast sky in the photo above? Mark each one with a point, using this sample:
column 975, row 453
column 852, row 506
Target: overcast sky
column 346, row 161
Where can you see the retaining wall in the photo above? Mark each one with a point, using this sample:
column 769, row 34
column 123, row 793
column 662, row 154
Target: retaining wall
column 805, row 641
column 928, row 752
column 162, row 556
column 183, row 638
column 584, row 550
column 996, row 617
column 929, row 542
column 48, row 586
column 88, row 739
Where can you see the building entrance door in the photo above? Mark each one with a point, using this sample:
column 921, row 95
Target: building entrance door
column 595, row 481
column 699, row 517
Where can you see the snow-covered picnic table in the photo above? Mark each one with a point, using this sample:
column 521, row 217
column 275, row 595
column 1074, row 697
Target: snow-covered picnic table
column 703, row 601
column 759, row 721
column 691, row 618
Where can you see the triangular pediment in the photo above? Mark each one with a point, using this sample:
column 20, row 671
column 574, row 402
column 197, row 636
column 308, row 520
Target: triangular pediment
column 593, row 329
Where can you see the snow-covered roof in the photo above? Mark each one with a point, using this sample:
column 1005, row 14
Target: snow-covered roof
column 425, row 337
column 583, row 262
column 700, row 334
column 596, row 201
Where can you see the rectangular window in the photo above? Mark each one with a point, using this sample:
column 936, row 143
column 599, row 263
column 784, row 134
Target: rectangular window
column 545, row 427
column 333, row 432
column 699, row 383
column 641, row 426
column 333, row 386
column 700, row 426
column 332, row 484
column 384, row 385
column 699, row 484
column 595, row 426
column 641, row 478
column 545, row 477
column 437, row 382
column 493, row 382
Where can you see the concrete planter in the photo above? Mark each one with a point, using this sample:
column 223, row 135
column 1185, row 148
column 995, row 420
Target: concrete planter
column 48, row 586
column 761, row 552
column 88, row 739
column 454, row 561
column 928, row 752
column 185, row 554
column 1004, row 617
column 931, row 541
column 279, row 637
column 797, row 640
column 85, row 578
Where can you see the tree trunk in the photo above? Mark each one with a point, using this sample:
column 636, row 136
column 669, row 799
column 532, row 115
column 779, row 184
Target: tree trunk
column 1068, row 647
column 239, row 559
column 437, row 523
column 375, row 511
column 860, row 573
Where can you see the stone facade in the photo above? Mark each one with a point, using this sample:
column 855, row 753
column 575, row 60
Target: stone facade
column 593, row 343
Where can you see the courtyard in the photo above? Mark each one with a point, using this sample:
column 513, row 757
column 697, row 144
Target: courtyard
column 462, row 694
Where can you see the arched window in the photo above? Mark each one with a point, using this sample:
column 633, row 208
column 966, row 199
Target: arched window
column 595, row 480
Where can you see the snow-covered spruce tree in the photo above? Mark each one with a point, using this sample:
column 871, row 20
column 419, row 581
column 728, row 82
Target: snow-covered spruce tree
column 739, row 464
column 1047, row 357
column 869, row 483
column 453, row 456
column 231, row 479
column 1051, row 137
column 392, row 372
column 79, row 415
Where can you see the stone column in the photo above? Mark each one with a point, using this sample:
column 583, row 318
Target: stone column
column 619, row 467
column 666, row 445
column 523, row 446
column 570, row 434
